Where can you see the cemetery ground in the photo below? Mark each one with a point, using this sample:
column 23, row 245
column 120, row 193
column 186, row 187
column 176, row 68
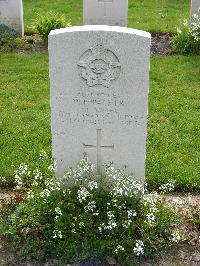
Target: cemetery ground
column 173, row 134
column 173, row 124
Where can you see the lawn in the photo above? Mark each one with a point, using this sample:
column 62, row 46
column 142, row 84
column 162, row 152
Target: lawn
column 149, row 15
column 173, row 129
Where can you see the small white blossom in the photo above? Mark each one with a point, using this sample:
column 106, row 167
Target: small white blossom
column 119, row 248
column 57, row 234
column 52, row 167
column 150, row 218
column 18, row 180
column 131, row 213
column 90, row 207
column 43, row 156
column 167, row 187
column 175, row 237
column 58, row 211
column 82, row 194
column 45, row 193
column 30, row 194
column 93, row 185
column 38, row 175
column 139, row 248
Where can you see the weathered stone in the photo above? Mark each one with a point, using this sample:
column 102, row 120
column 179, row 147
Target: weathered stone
column 11, row 14
column 195, row 7
column 105, row 12
column 99, row 79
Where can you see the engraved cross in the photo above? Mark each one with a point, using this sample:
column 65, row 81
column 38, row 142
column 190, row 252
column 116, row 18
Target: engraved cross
column 98, row 148
column 105, row 2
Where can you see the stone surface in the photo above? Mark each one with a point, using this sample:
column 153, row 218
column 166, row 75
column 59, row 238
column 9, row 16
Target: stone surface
column 105, row 12
column 99, row 77
column 11, row 14
column 195, row 7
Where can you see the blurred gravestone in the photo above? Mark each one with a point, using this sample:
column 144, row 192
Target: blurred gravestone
column 11, row 14
column 195, row 7
column 105, row 12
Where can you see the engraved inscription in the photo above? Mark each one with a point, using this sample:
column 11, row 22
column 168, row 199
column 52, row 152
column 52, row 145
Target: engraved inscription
column 100, row 107
column 98, row 148
column 99, row 66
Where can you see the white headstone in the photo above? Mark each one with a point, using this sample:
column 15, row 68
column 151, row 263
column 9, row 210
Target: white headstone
column 195, row 7
column 105, row 12
column 11, row 14
column 99, row 77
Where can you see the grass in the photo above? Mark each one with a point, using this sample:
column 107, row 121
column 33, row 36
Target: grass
column 173, row 130
column 149, row 15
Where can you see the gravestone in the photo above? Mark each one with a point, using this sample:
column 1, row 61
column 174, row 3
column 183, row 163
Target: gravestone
column 105, row 12
column 195, row 7
column 11, row 14
column 99, row 77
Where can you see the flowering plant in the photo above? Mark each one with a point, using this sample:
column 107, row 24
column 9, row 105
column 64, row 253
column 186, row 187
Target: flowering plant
column 187, row 40
column 83, row 217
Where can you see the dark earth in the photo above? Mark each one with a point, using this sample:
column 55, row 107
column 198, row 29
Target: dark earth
column 160, row 44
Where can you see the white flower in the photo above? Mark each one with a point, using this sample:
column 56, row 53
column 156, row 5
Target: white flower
column 176, row 237
column 127, row 223
column 45, row 193
column 150, row 199
column 90, row 207
column 131, row 214
column 52, row 167
column 30, row 194
column 38, row 175
column 58, row 211
column 150, row 218
column 81, row 224
column 57, row 234
column 139, row 248
column 119, row 248
column 35, row 183
column 18, row 180
column 82, row 194
column 43, row 156
column 167, row 187
column 93, row 185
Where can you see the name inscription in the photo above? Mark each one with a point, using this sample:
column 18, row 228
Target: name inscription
column 98, row 108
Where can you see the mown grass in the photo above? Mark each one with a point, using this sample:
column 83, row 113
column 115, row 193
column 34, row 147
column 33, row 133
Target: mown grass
column 149, row 15
column 173, row 148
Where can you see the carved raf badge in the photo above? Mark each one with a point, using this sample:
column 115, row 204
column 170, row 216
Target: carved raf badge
column 99, row 66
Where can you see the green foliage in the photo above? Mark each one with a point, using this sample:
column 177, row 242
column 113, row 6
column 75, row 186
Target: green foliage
column 7, row 34
column 47, row 22
column 20, row 43
column 91, row 218
column 187, row 40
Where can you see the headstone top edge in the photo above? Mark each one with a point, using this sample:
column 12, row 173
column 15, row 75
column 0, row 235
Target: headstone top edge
column 101, row 28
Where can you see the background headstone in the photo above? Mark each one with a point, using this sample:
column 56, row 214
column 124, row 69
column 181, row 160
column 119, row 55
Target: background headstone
column 105, row 12
column 11, row 14
column 195, row 7
column 99, row 77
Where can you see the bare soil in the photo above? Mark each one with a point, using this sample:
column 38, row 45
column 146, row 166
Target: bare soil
column 160, row 45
